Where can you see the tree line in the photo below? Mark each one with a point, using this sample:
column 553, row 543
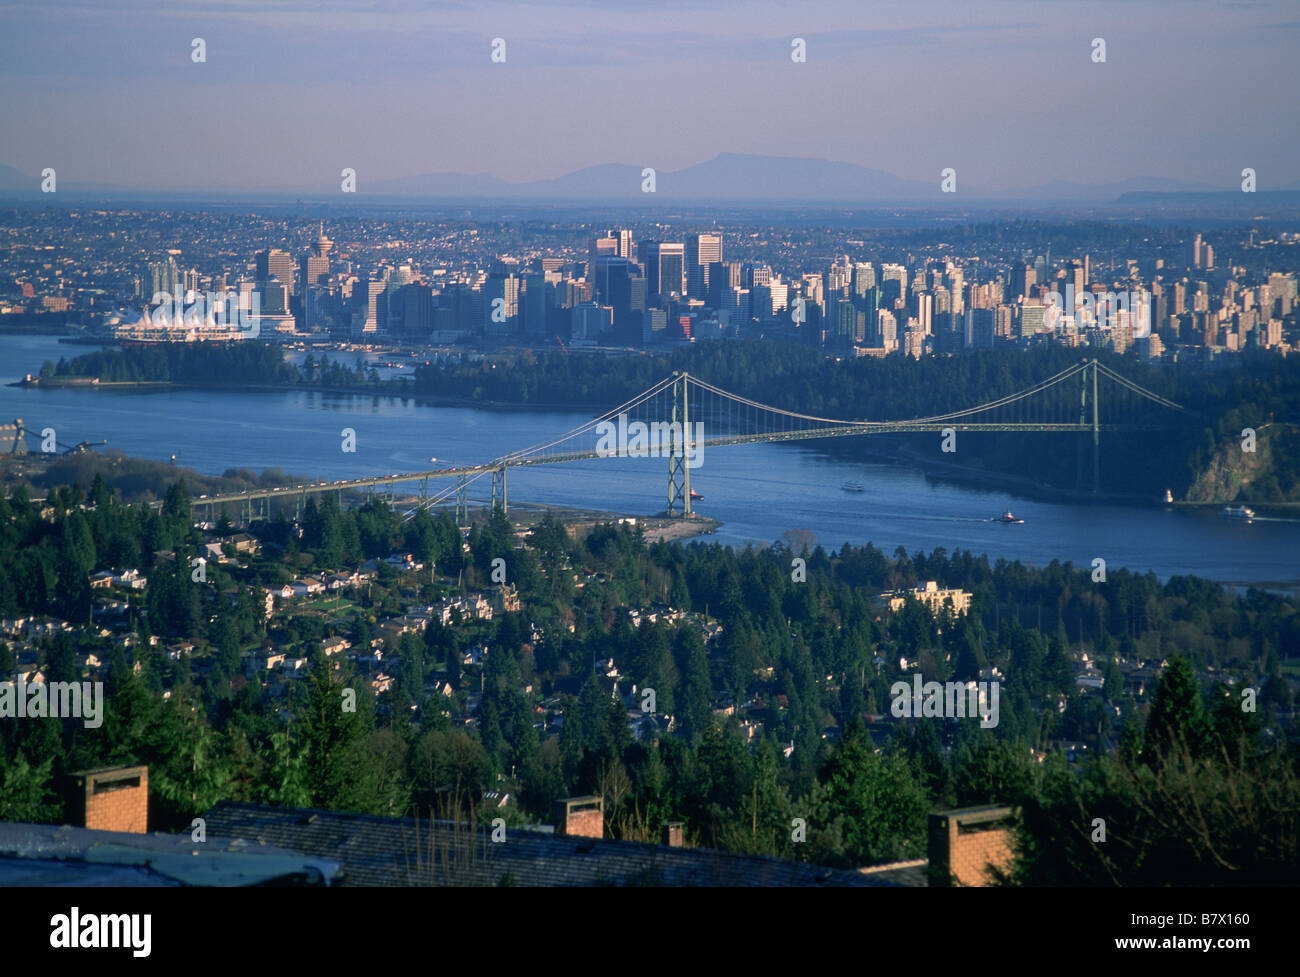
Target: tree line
column 809, row 663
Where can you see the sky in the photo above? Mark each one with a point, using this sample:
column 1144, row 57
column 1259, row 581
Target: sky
column 1007, row 93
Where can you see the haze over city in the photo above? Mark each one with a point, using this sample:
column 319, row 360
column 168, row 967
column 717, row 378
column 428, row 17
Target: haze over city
column 1005, row 93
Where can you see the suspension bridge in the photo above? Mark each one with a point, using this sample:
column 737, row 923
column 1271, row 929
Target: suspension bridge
column 679, row 417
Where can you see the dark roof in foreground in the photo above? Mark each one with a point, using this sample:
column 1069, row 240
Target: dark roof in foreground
column 379, row 851
column 62, row 855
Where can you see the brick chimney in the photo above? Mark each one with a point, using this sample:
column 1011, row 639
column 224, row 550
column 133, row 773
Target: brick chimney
column 673, row 834
column 110, row 799
column 581, row 817
column 966, row 843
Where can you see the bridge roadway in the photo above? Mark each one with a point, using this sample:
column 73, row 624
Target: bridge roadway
column 882, row 427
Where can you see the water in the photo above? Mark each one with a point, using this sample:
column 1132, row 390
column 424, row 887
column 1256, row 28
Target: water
column 757, row 491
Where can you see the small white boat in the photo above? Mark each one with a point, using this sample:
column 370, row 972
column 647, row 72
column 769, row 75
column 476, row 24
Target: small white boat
column 1238, row 512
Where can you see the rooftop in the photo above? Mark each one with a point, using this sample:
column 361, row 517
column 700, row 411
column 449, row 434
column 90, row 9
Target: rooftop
column 379, row 851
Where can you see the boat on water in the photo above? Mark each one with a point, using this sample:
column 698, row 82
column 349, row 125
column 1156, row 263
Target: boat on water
column 854, row 487
column 1007, row 517
column 695, row 496
column 1238, row 512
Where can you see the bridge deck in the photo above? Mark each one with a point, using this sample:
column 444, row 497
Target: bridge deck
column 847, row 430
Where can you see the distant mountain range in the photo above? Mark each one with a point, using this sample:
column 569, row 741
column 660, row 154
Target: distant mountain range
column 728, row 177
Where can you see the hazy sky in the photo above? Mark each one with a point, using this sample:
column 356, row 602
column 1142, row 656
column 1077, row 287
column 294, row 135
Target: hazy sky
column 1005, row 92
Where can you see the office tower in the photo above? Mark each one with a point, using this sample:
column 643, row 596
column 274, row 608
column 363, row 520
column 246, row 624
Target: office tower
column 466, row 304
column 1032, row 317
column 752, row 275
column 925, row 313
column 636, row 293
column 274, row 263
column 1282, row 294
column 845, row 318
column 318, row 306
column 501, row 302
column 839, row 279
column 1074, row 281
column 981, row 327
column 813, row 288
column 864, row 277
column 625, row 245
column 534, row 305
column 956, row 285
column 416, row 301
column 1003, row 321
column 868, row 304
column 275, row 297
column 607, row 272
column 618, row 285
column 607, row 245
column 389, row 307
column 365, row 299
column 893, row 283
column 1273, row 333
column 590, row 321
column 665, row 269
column 314, row 267
column 913, row 340
column 702, row 250
column 723, row 276
column 914, row 293
column 160, row 276
column 886, row 330
column 736, row 304
column 1195, row 256
column 313, row 270
column 654, row 325
column 780, row 296
column 760, row 301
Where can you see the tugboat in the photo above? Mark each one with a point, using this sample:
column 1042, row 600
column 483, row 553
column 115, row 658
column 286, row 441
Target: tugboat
column 854, row 487
column 1007, row 517
column 696, row 497
column 1238, row 512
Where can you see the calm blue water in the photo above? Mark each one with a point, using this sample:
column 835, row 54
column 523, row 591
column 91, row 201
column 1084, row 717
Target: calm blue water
column 757, row 491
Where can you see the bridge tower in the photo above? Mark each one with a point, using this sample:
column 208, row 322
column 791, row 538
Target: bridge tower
column 1088, row 397
column 499, row 474
column 679, row 473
